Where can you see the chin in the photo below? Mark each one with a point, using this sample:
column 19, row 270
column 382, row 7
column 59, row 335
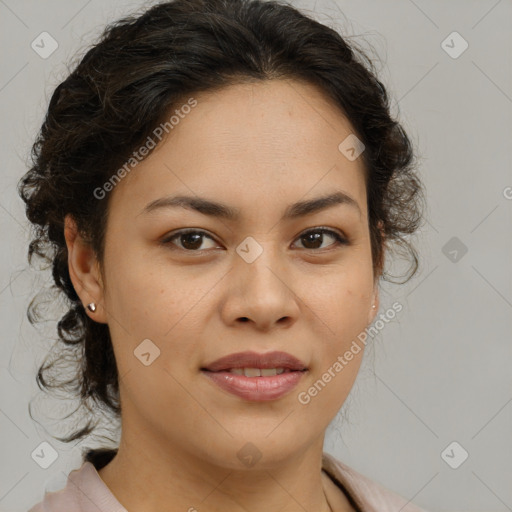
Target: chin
column 257, row 451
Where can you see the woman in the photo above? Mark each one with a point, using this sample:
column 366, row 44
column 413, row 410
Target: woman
column 215, row 185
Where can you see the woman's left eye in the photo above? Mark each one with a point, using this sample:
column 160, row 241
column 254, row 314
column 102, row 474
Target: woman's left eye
column 317, row 235
column 191, row 240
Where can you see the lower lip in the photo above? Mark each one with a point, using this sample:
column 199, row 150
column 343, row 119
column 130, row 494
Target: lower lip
column 257, row 389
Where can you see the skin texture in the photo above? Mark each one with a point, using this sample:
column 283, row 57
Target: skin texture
column 259, row 148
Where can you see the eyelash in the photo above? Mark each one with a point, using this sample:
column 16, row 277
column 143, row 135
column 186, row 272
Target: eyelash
column 340, row 240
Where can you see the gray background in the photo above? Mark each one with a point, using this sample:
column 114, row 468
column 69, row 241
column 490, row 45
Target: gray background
column 440, row 372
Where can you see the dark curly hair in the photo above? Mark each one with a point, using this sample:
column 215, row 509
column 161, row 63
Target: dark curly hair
column 125, row 85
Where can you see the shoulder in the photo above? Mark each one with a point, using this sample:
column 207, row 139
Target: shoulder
column 65, row 499
column 84, row 492
column 369, row 495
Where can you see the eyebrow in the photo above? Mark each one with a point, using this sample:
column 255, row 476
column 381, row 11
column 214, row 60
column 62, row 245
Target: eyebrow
column 219, row 210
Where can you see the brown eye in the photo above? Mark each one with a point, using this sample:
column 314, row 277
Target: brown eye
column 314, row 238
column 190, row 240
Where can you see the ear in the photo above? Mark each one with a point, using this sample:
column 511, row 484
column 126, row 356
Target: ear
column 372, row 311
column 375, row 295
column 84, row 271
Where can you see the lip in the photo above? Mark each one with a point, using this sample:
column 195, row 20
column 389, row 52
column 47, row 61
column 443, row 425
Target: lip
column 251, row 359
column 257, row 389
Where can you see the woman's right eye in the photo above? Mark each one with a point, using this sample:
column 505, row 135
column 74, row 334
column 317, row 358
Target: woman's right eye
column 189, row 239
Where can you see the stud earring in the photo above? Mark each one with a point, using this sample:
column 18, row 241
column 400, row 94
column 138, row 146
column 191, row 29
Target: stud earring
column 91, row 307
column 373, row 306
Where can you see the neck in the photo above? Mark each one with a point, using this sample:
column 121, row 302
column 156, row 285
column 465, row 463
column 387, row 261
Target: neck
column 145, row 477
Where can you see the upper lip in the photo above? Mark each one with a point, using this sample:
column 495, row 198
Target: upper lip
column 256, row 360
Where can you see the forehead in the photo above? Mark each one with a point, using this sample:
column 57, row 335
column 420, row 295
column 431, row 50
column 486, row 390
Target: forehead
column 249, row 142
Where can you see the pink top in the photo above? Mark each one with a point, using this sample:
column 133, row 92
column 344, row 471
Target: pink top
column 85, row 491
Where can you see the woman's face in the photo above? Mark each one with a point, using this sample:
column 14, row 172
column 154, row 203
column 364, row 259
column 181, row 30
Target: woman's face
column 263, row 280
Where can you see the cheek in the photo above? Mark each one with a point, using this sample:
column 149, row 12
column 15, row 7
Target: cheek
column 159, row 303
column 340, row 301
column 341, row 309
column 143, row 295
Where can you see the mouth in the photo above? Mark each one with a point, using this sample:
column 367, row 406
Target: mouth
column 257, row 388
column 256, row 377
column 255, row 372
column 250, row 363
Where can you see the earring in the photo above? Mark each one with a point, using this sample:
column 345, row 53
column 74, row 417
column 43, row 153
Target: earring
column 373, row 306
column 91, row 307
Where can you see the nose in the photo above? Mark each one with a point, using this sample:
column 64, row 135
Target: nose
column 261, row 294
